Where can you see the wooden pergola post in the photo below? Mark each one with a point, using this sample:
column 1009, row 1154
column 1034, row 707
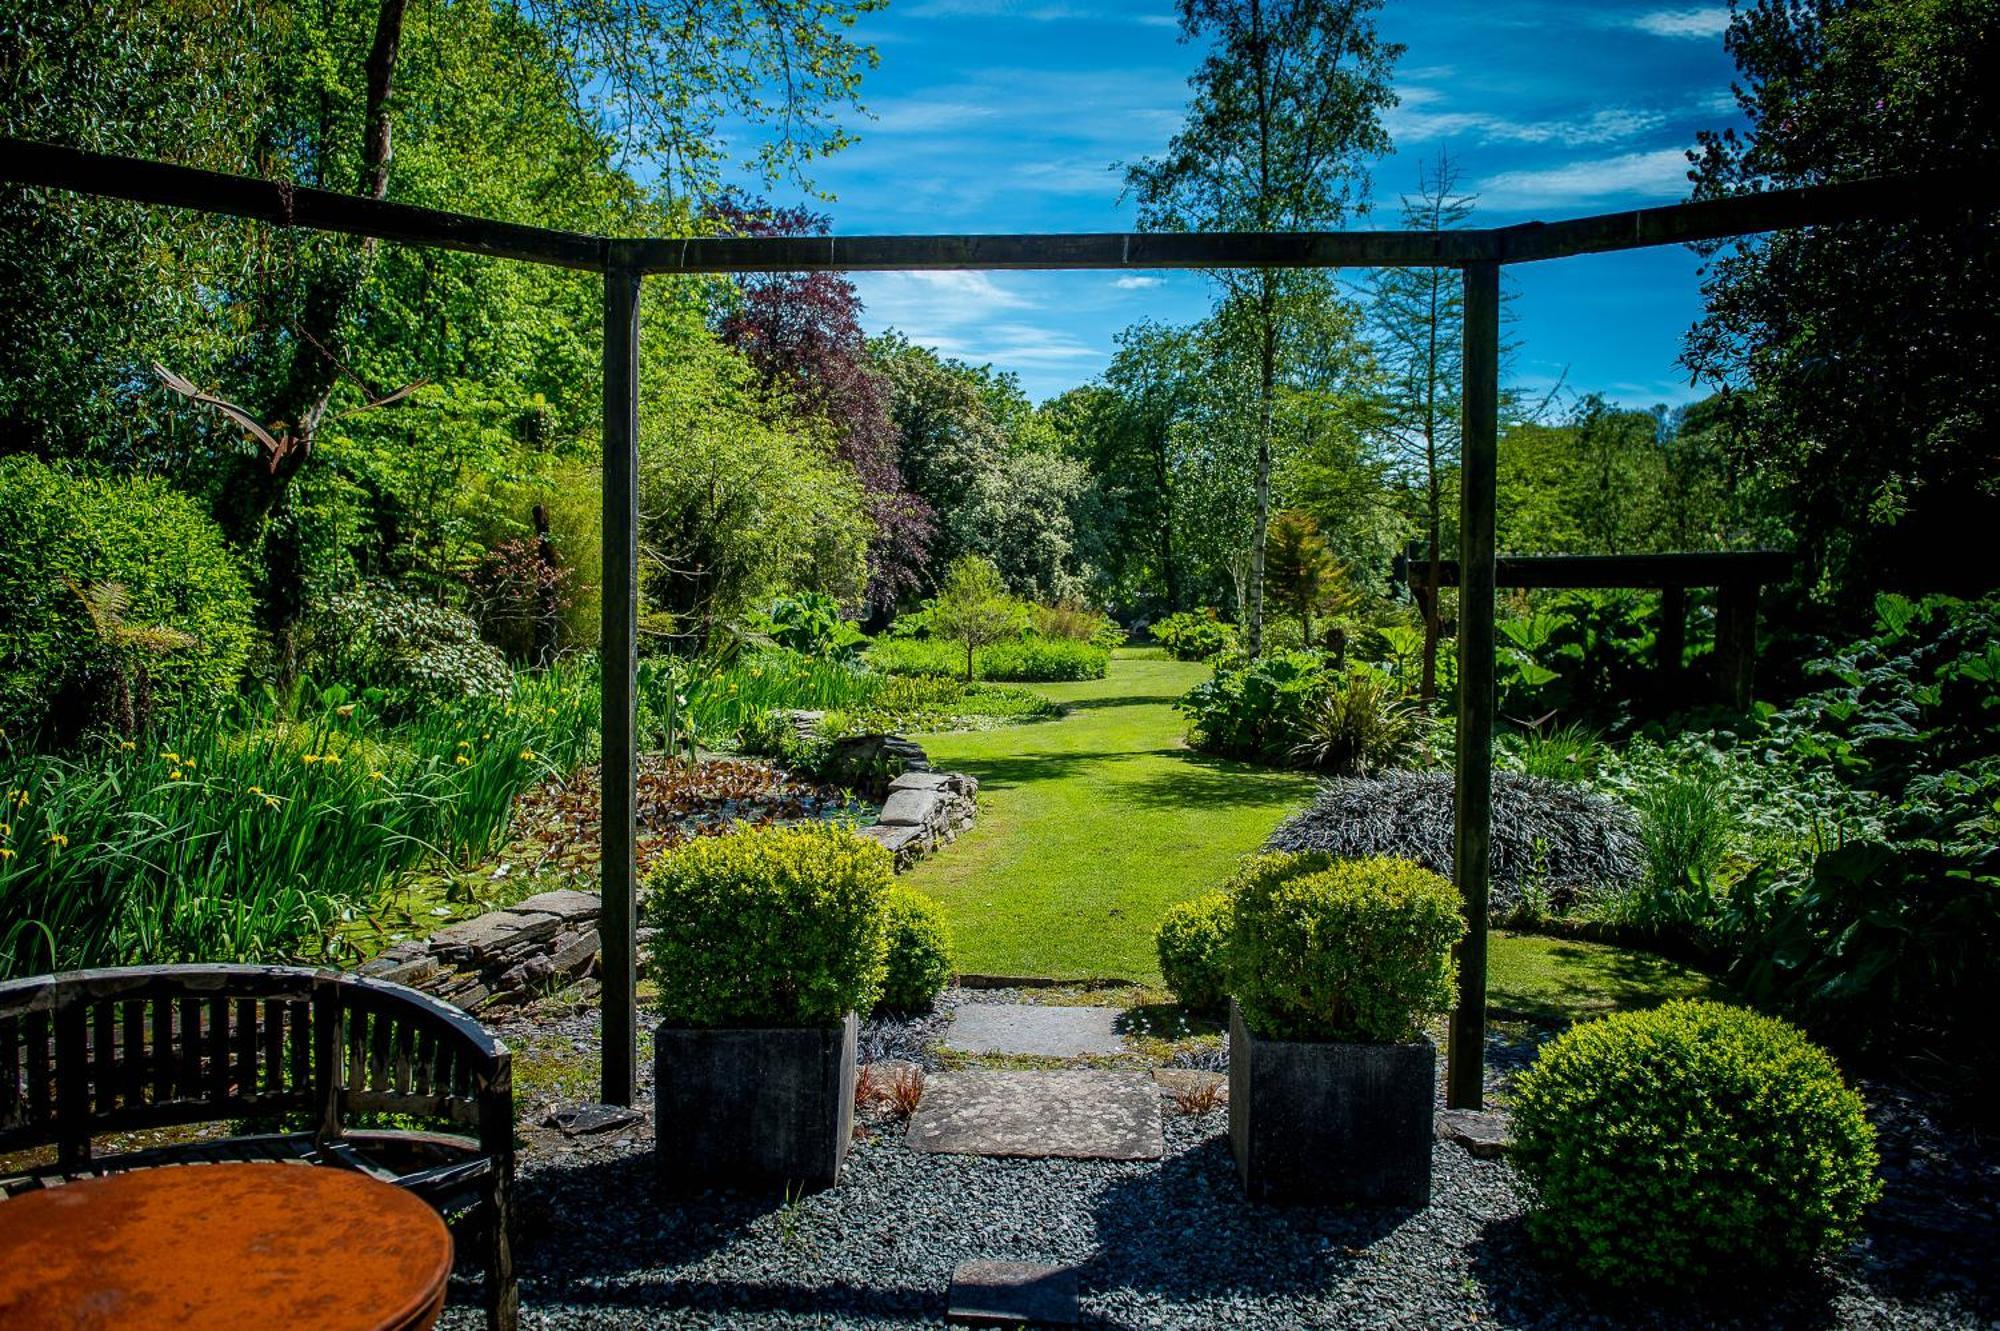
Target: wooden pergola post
column 618, row 772
column 1472, row 832
column 1736, row 644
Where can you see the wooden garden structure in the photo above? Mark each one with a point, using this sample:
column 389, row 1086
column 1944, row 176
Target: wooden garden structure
column 1739, row 577
column 626, row 263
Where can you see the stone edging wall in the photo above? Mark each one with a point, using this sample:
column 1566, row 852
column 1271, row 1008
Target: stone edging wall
column 510, row 956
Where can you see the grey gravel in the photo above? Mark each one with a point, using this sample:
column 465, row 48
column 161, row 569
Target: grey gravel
column 1173, row 1243
column 1168, row 1245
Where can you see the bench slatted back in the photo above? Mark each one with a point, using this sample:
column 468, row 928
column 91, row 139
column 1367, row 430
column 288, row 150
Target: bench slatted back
column 91, row 1052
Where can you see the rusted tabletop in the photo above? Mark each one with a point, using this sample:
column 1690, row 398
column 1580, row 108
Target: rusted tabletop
column 222, row 1246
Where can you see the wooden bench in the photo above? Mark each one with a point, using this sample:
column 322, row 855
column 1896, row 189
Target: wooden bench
column 85, row 1054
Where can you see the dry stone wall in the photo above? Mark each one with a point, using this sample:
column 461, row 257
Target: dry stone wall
column 550, row 941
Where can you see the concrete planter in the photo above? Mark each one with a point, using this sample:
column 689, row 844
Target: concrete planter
column 1322, row 1121
column 753, row 1108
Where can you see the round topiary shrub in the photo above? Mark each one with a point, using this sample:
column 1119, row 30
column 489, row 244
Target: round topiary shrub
column 769, row 926
column 178, row 624
column 1359, row 950
column 921, row 953
column 1192, row 942
column 1664, row 1146
column 1555, row 836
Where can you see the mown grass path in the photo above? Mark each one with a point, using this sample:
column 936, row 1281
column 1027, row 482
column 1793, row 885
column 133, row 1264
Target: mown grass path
column 1092, row 825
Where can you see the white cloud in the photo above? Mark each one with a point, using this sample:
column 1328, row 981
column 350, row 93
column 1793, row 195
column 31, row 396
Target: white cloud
column 1137, row 282
column 1699, row 21
column 1660, row 174
column 919, row 115
column 1610, row 125
column 1076, row 176
column 973, row 317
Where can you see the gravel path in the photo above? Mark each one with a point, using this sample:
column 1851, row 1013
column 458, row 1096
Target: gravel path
column 1167, row 1244
column 1170, row 1245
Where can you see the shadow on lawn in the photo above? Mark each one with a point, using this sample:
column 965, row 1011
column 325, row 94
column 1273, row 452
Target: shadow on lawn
column 1201, row 782
column 1028, row 768
column 1124, row 700
column 1569, row 980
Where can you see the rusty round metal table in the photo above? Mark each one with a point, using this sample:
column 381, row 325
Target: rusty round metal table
column 222, row 1246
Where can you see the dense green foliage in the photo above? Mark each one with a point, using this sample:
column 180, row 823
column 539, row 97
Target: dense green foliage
column 66, row 534
column 1193, row 946
column 1291, row 708
column 244, row 832
column 1731, row 1134
column 770, row 926
column 415, row 654
column 1865, row 351
column 1194, row 635
column 921, row 952
column 1357, row 950
column 1257, row 710
column 1883, row 935
column 1027, row 658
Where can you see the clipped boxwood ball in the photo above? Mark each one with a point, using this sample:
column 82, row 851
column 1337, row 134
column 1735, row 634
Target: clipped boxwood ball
column 921, row 954
column 1192, row 942
column 1664, row 1146
column 1357, row 951
column 769, row 926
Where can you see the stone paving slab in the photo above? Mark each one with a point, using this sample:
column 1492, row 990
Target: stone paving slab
column 1026, row 1028
column 1072, row 1115
column 1012, row 1294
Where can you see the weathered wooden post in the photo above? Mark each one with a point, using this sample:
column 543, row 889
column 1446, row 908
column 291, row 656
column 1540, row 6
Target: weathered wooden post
column 1472, row 834
column 618, row 772
column 1736, row 643
column 1670, row 639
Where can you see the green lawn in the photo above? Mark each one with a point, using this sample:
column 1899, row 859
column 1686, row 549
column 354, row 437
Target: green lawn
column 1091, row 826
column 1560, row 979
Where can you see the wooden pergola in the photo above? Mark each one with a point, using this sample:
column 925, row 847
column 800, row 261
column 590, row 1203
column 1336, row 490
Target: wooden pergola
column 625, row 263
column 1739, row 576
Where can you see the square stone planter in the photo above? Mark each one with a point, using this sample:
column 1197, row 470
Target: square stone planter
column 754, row 1109
column 1325, row 1121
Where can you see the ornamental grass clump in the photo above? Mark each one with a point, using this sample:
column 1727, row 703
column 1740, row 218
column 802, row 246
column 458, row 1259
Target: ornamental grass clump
column 1357, row 951
column 921, row 952
column 1692, row 1140
column 1193, row 944
column 770, row 926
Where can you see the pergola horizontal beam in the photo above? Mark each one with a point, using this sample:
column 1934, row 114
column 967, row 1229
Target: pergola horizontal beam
column 27, row 163
column 1717, row 568
column 1113, row 250
column 161, row 183
column 1744, row 214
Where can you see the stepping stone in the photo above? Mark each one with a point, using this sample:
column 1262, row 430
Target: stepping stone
column 588, row 1119
column 1485, row 1133
column 1028, row 1028
column 1072, row 1115
column 1012, row 1293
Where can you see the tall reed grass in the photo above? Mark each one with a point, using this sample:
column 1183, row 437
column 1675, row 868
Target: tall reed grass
column 245, row 832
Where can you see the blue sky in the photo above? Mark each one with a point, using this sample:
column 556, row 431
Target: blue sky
column 998, row 115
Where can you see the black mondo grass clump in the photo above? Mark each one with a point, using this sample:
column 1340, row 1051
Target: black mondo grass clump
column 1552, row 839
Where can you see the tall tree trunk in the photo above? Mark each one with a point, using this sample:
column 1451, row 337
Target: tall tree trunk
column 1434, row 494
column 1163, row 483
column 254, row 508
column 1267, row 382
